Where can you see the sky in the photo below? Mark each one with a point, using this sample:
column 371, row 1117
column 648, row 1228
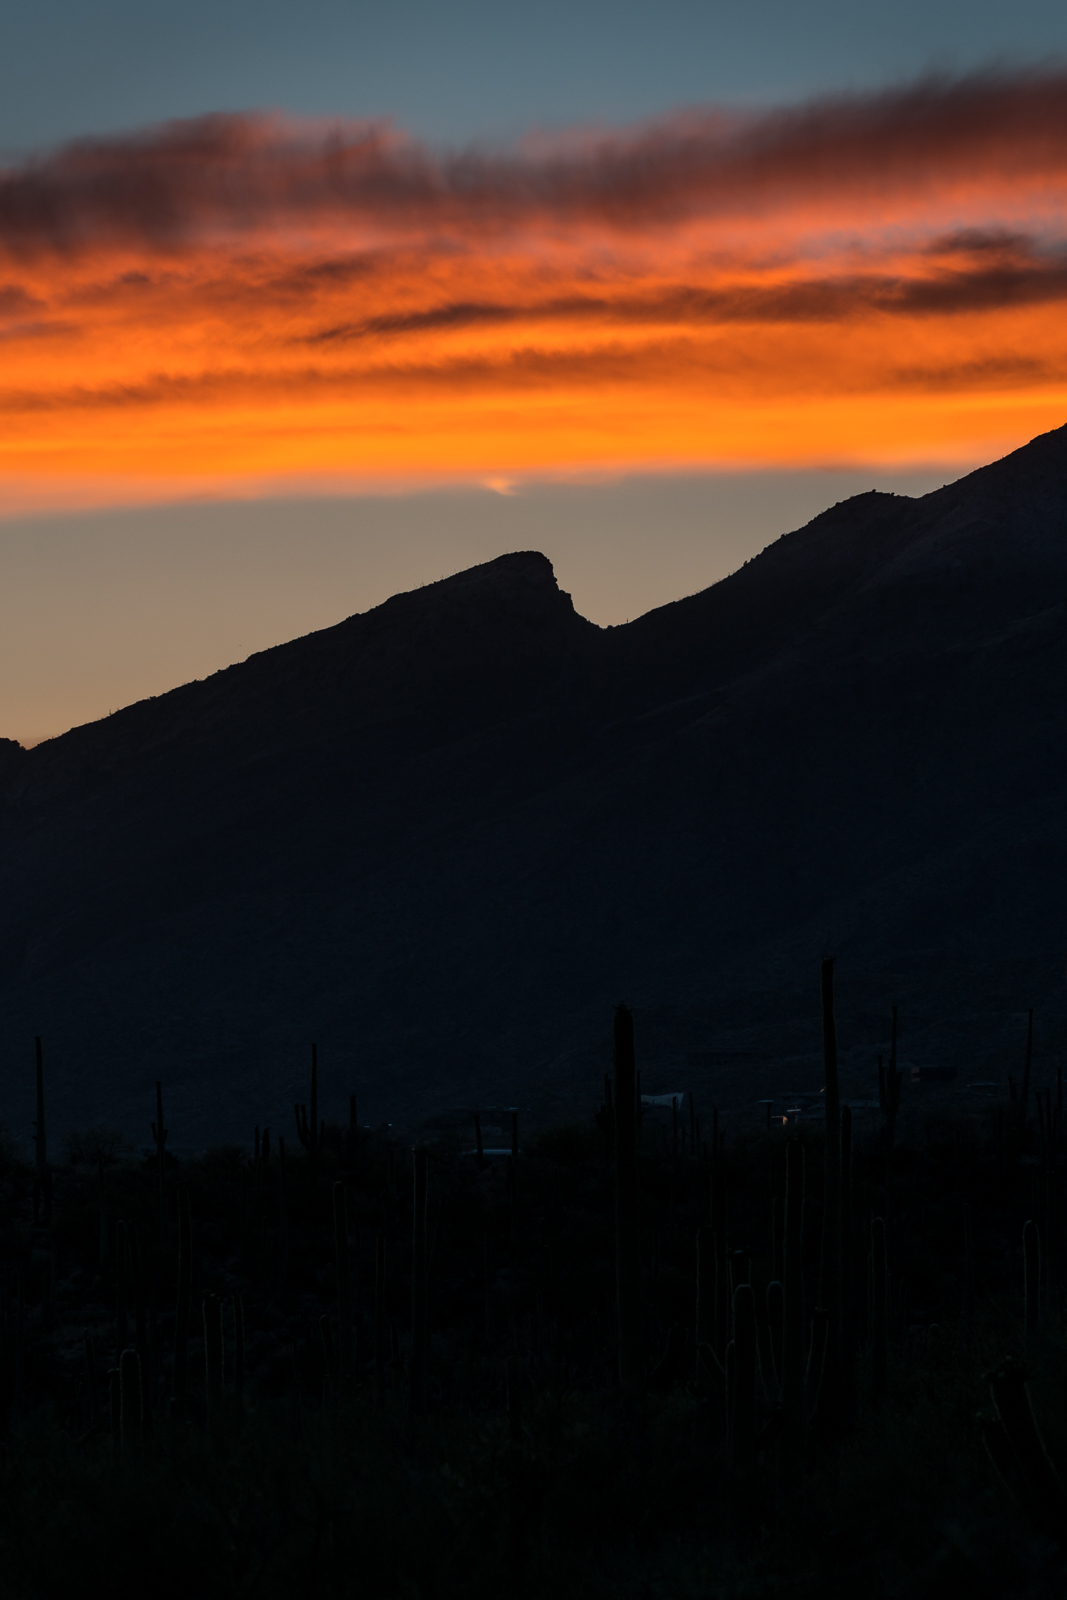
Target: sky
column 303, row 305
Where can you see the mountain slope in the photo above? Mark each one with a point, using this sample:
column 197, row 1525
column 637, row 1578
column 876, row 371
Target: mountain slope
column 443, row 837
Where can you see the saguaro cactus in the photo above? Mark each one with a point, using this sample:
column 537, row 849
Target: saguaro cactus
column 777, row 1236
column 514, row 1395
column 627, row 1258
column 608, row 1113
column 879, row 1286
column 722, row 1260
column 380, row 1328
column 344, row 1295
column 104, row 1252
column 131, row 1423
column 830, row 1278
column 771, row 1357
column 122, row 1279
column 705, row 1308
column 283, row 1218
column 309, row 1130
column 792, row 1368
column 159, row 1134
column 1031, row 1279
column 90, row 1373
column 238, row 1357
column 889, row 1082
column 332, row 1382
column 184, row 1303
column 114, row 1393
column 419, row 1289
column 489, row 1287
column 848, row 1329
column 212, row 1308
column 1018, row 1452
column 518, row 1501
column 141, row 1324
column 42, row 1187
column 743, row 1408
column 1024, row 1095
column 968, row 1270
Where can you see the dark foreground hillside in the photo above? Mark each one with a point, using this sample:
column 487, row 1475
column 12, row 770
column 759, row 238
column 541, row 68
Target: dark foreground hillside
column 639, row 1357
column 443, row 837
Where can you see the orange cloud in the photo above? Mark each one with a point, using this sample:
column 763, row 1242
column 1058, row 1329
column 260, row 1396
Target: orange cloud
column 240, row 301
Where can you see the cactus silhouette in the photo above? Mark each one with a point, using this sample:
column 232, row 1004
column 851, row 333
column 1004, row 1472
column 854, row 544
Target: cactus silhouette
column 705, row 1301
column 344, row 1294
column 90, row 1374
column 141, row 1324
column 1031, row 1279
column 889, row 1085
column 792, row 1448
column 890, row 1080
column 131, row 1421
column 283, row 1219
column 183, row 1309
column 743, row 1407
column 1017, row 1450
column 777, row 1236
column 830, row 1277
column 627, row 1260
column 419, row 1289
column 213, row 1357
column 42, row 1186
column 159, row 1134
column 776, row 1335
column 332, row 1385
column 489, row 1287
column 380, row 1327
column 104, row 1244
column 114, row 1392
column 722, row 1260
column 848, row 1330
column 514, row 1398
column 310, row 1130
column 878, row 1299
column 968, row 1269
column 121, row 1290
column 1024, row 1093
column 238, row 1358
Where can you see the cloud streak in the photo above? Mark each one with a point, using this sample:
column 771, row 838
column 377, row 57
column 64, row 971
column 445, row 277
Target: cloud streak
column 858, row 278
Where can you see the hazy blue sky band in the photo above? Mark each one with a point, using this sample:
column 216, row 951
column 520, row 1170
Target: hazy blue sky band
column 477, row 69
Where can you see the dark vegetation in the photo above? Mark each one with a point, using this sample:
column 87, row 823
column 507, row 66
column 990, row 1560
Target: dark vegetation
column 628, row 1359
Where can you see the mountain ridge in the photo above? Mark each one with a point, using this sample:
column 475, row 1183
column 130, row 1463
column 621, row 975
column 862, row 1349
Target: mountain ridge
column 444, row 835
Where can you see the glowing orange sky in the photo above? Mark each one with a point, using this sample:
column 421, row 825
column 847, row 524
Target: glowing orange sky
column 239, row 302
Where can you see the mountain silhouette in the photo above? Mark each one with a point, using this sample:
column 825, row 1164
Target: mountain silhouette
column 443, row 837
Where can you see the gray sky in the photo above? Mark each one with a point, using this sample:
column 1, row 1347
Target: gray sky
column 459, row 70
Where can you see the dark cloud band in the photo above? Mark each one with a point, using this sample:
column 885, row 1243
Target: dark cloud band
column 181, row 183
